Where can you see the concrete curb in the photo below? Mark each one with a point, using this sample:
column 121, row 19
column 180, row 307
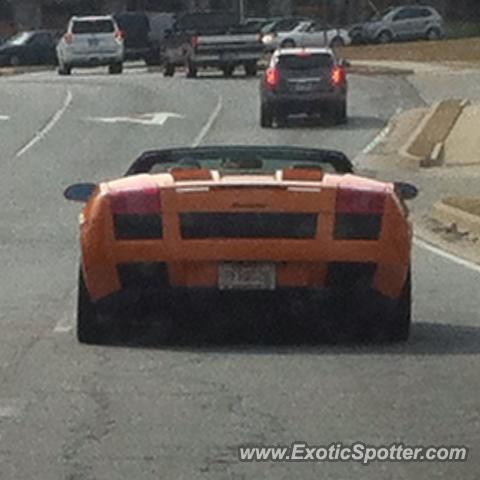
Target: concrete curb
column 451, row 215
column 10, row 71
column 425, row 146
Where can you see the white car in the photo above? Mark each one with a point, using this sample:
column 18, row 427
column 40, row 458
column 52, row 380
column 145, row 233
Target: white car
column 307, row 34
column 91, row 41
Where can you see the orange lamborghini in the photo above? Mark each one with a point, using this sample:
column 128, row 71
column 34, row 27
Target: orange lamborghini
column 233, row 219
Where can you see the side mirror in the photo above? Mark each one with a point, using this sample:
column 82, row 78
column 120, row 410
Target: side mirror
column 344, row 63
column 79, row 192
column 406, row 191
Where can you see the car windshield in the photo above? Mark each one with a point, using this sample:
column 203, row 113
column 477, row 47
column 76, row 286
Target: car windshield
column 258, row 160
column 20, row 39
column 379, row 15
column 93, row 26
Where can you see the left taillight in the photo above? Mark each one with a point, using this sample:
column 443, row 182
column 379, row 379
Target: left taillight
column 358, row 214
column 137, row 214
column 339, row 76
column 272, row 77
column 68, row 37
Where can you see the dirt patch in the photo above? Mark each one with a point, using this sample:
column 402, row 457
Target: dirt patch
column 442, row 51
column 468, row 204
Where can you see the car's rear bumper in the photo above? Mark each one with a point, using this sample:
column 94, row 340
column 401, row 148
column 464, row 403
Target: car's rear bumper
column 219, row 59
column 310, row 103
column 93, row 59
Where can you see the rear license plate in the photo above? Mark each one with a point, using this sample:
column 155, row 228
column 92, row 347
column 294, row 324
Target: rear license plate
column 227, row 57
column 246, row 276
column 304, row 87
column 93, row 42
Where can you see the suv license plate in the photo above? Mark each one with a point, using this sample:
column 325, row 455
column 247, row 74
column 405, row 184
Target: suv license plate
column 247, row 276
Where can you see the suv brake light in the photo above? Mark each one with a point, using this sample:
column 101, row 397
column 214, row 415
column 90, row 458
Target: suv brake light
column 194, row 41
column 119, row 35
column 272, row 77
column 68, row 37
column 338, row 76
column 139, row 202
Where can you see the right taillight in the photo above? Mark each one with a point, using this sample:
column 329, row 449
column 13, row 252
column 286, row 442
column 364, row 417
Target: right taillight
column 68, row 37
column 194, row 41
column 137, row 214
column 272, row 77
column 358, row 214
column 339, row 76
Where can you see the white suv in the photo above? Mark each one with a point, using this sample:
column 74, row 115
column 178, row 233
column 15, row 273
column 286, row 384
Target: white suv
column 91, row 41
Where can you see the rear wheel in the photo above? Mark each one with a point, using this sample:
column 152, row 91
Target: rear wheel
column 266, row 116
column 434, row 34
column 64, row 70
column 192, row 71
column 385, row 37
column 228, row 71
column 340, row 112
column 169, row 70
column 250, row 69
column 115, row 69
column 337, row 42
column 88, row 326
column 289, row 43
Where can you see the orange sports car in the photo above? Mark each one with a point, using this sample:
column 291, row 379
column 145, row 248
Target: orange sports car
column 234, row 219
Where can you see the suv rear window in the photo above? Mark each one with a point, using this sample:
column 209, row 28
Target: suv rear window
column 93, row 26
column 305, row 62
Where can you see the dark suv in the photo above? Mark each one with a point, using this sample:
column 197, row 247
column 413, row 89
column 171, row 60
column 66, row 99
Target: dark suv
column 303, row 80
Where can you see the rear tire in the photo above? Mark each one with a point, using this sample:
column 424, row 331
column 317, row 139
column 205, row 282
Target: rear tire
column 385, row 37
column 402, row 318
column 434, row 34
column 192, row 71
column 228, row 71
column 340, row 113
column 289, row 43
column 251, row 69
column 169, row 70
column 266, row 116
column 115, row 69
column 64, row 70
column 89, row 330
column 337, row 42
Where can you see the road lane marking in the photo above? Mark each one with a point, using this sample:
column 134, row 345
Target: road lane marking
column 148, row 119
column 448, row 256
column 11, row 408
column 4, row 118
column 381, row 136
column 211, row 120
column 67, row 320
column 40, row 135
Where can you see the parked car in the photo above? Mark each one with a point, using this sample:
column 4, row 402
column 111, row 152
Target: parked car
column 303, row 80
column 306, row 34
column 29, row 48
column 91, row 41
column 404, row 23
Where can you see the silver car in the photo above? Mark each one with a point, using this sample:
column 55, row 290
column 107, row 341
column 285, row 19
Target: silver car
column 404, row 23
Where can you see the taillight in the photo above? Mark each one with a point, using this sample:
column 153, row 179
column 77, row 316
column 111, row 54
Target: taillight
column 338, row 76
column 194, row 41
column 68, row 37
column 119, row 35
column 351, row 200
column 272, row 77
column 358, row 214
column 137, row 214
column 136, row 201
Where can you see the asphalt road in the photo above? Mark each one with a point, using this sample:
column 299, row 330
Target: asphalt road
column 140, row 410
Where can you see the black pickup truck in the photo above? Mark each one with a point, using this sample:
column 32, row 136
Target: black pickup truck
column 216, row 40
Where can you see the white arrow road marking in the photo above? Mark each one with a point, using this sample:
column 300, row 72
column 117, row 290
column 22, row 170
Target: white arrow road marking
column 4, row 117
column 149, row 119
